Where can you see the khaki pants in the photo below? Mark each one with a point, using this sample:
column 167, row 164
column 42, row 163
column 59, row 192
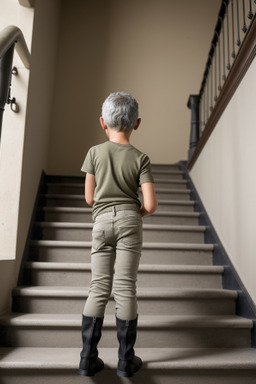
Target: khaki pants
column 115, row 257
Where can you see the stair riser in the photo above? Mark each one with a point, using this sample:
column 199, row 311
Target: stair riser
column 157, row 169
column 176, row 184
column 159, row 256
column 80, row 202
column 168, row 176
column 176, row 206
column 164, row 167
column 147, row 338
column 165, row 376
column 67, row 217
column 79, row 189
column 149, row 235
column 146, row 306
column 149, row 279
column 171, row 195
column 170, row 220
column 87, row 217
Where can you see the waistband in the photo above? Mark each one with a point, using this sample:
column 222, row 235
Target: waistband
column 117, row 208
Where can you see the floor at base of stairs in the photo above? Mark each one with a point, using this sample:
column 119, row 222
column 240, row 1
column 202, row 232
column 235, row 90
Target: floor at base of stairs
column 177, row 366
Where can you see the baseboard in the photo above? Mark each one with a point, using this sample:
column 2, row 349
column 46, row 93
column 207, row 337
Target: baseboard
column 245, row 306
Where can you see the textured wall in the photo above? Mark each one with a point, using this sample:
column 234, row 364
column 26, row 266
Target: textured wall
column 155, row 50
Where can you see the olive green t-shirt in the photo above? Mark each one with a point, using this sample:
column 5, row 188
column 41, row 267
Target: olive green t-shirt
column 119, row 170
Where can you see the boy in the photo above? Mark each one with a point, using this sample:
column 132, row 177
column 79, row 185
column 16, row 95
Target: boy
column 114, row 172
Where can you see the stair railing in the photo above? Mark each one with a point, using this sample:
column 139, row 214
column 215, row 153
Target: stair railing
column 233, row 48
column 11, row 37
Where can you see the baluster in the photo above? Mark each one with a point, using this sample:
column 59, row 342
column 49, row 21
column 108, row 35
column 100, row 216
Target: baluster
column 205, row 111
column 244, row 29
column 238, row 25
column 211, row 106
column 223, row 47
column 201, row 112
column 215, row 64
column 201, row 123
column 233, row 30
column 207, row 96
column 250, row 14
column 228, row 64
column 219, row 87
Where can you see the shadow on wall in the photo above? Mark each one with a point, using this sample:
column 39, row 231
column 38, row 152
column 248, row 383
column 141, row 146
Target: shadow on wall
column 82, row 93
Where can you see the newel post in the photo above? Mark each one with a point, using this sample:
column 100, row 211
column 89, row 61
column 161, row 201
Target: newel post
column 193, row 104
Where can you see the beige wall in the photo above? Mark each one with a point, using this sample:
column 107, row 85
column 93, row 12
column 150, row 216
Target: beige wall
column 11, row 151
column 28, row 144
column 155, row 50
column 225, row 178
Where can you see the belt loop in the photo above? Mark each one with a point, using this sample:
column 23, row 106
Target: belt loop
column 114, row 211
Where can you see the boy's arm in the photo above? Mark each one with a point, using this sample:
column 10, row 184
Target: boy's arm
column 149, row 199
column 90, row 185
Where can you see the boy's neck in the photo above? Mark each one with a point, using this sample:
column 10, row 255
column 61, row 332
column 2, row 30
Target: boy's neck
column 119, row 137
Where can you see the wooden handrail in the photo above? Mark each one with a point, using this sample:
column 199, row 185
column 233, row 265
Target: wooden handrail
column 11, row 35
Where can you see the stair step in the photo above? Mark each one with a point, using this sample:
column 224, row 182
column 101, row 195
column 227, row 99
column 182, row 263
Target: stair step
column 168, row 174
column 173, row 218
column 167, row 205
column 180, row 301
column 163, row 253
column 79, row 274
column 165, row 167
column 78, row 188
column 54, row 330
column 160, row 365
column 81, row 215
column 55, row 200
column 62, row 199
column 151, row 232
column 176, row 279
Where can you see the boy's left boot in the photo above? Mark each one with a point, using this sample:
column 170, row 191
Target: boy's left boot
column 90, row 363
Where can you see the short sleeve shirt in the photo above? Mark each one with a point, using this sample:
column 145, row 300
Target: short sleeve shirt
column 119, row 170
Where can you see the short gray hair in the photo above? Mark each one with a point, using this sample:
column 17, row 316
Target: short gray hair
column 120, row 111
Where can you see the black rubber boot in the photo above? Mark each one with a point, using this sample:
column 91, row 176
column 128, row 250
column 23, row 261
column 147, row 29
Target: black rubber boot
column 90, row 363
column 128, row 363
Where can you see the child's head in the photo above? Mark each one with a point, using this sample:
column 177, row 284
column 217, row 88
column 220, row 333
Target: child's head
column 120, row 111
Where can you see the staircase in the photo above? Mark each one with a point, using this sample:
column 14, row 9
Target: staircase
column 188, row 331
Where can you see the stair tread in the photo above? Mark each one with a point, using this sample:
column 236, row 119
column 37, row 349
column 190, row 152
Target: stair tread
column 146, row 245
column 156, row 227
column 81, row 184
column 154, row 358
column 197, row 269
column 176, row 202
column 81, row 197
column 60, row 291
column 145, row 321
column 89, row 210
column 157, row 189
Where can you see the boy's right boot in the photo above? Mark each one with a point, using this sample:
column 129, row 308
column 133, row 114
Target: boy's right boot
column 128, row 363
column 90, row 363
